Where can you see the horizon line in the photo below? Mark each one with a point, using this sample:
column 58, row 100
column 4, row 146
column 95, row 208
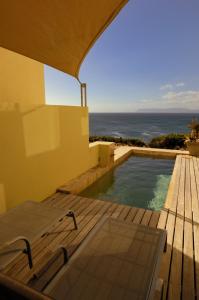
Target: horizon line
column 135, row 112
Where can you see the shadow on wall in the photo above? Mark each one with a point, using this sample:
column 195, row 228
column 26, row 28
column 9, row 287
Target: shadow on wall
column 41, row 130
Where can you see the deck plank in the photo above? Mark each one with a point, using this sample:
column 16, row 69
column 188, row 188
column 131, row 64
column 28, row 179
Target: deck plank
column 188, row 291
column 131, row 214
column 124, row 213
column 55, row 197
column 194, row 170
column 146, row 218
column 139, row 215
column 154, row 219
column 167, row 221
column 174, row 287
column 117, row 211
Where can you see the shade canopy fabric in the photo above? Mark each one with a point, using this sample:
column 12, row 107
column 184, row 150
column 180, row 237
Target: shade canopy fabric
column 58, row 33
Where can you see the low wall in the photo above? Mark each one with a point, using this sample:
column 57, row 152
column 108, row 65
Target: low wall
column 93, row 154
column 101, row 153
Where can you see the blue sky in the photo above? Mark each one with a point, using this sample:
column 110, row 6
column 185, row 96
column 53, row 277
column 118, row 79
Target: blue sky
column 147, row 58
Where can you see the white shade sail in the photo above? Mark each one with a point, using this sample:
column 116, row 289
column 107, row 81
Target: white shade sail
column 58, row 33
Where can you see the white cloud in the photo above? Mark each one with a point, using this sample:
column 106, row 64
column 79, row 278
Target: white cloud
column 190, row 99
column 167, row 86
column 170, row 86
column 183, row 100
column 186, row 97
column 180, row 84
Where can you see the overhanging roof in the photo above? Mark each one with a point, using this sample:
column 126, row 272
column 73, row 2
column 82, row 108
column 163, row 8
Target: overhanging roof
column 58, row 33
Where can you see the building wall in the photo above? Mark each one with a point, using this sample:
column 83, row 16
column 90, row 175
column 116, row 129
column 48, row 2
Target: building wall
column 22, row 81
column 40, row 151
column 41, row 146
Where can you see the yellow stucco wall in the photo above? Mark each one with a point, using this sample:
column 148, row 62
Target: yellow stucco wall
column 22, row 81
column 41, row 146
column 41, row 150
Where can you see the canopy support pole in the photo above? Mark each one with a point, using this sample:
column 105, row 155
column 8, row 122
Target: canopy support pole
column 83, row 94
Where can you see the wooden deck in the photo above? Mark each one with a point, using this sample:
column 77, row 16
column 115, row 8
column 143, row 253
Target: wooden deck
column 88, row 213
column 180, row 217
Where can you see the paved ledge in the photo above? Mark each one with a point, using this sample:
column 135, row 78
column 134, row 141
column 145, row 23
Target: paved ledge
column 98, row 143
column 158, row 152
column 75, row 186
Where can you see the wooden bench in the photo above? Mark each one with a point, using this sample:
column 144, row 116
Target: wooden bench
column 117, row 260
column 22, row 225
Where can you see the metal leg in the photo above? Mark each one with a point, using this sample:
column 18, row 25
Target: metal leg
column 65, row 253
column 165, row 245
column 72, row 215
column 27, row 249
column 28, row 252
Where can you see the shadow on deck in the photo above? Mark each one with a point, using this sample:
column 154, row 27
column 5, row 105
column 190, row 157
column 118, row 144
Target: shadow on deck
column 180, row 217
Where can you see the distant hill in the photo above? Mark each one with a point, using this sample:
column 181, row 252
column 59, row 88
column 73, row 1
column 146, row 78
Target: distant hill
column 168, row 110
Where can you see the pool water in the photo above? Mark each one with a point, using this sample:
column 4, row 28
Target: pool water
column 139, row 181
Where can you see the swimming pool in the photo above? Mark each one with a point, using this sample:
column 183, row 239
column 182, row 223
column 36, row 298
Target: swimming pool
column 140, row 181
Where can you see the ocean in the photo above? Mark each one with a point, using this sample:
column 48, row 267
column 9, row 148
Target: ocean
column 144, row 126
